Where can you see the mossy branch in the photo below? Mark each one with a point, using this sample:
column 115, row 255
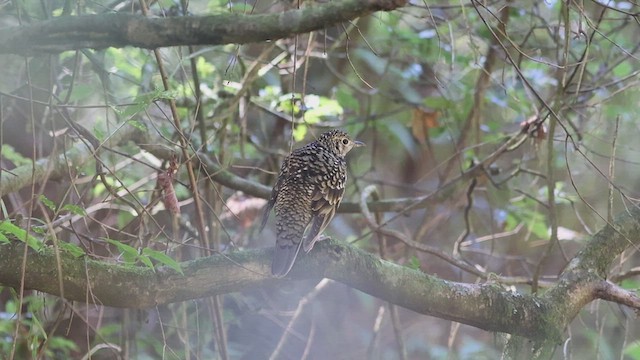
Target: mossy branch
column 119, row 29
column 487, row 306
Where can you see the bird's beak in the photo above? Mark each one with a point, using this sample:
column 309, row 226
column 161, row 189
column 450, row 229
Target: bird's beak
column 358, row 143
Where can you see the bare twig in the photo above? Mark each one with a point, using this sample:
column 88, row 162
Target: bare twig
column 301, row 305
column 200, row 217
column 609, row 291
column 366, row 192
column 393, row 310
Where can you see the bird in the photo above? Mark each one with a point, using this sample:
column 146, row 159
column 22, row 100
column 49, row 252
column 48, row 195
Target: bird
column 307, row 193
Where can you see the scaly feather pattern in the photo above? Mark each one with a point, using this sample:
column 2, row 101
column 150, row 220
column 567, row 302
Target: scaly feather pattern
column 307, row 193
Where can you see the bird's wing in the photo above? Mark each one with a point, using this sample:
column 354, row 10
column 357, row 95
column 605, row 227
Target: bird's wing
column 318, row 224
column 284, row 170
column 324, row 202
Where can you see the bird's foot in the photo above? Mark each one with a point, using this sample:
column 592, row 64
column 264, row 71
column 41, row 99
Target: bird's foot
column 323, row 238
column 307, row 246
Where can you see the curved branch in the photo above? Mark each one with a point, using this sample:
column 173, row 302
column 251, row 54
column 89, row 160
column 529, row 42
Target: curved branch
column 609, row 291
column 119, row 30
column 487, row 306
column 581, row 281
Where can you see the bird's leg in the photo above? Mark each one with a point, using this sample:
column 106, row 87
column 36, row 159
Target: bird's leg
column 323, row 237
column 308, row 246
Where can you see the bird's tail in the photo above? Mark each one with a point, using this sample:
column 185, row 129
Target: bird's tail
column 283, row 258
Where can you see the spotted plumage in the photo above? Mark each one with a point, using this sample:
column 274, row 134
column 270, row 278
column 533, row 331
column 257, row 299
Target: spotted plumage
column 306, row 195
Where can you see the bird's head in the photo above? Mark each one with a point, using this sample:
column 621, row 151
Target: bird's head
column 339, row 141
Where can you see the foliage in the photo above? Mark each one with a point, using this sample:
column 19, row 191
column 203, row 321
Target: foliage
column 25, row 335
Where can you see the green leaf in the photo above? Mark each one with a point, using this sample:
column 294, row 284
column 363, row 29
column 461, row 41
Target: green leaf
column 205, row 68
column 437, row 103
column 320, row 106
column 132, row 110
column 346, row 99
column 72, row 249
column 137, row 124
column 48, row 203
column 4, row 239
column 100, row 188
column 7, row 227
column 163, row 259
column 39, row 230
column 413, row 263
column 129, row 253
column 633, row 350
column 74, row 209
column 299, row 132
column 99, row 133
column 143, row 101
column 630, row 284
column 10, row 153
column 146, row 261
column 11, row 307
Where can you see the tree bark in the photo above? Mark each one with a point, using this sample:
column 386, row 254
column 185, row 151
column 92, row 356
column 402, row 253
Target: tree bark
column 119, row 30
column 487, row 306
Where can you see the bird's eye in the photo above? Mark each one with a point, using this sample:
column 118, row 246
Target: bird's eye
column 345, row 141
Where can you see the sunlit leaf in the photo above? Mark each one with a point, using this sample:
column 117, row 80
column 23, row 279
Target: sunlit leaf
column 319, row 107
column 204, row 67
column 633, row 350
column 46, row 202
column 437, row 102
column 299, row 132
column 7, row 227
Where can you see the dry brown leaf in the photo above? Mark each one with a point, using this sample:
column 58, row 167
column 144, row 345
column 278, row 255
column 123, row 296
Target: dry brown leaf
column 421, row 121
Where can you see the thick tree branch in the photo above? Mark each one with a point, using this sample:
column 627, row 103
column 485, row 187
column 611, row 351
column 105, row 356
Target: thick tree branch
column 581, row 281
column 487, row 306
column 119, row 30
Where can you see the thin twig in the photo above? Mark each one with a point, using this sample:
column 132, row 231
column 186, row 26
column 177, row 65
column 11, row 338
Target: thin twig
column 199, row 211
column 301, row 305
column 612, row 170
column 393, row 310
column 366, row 192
